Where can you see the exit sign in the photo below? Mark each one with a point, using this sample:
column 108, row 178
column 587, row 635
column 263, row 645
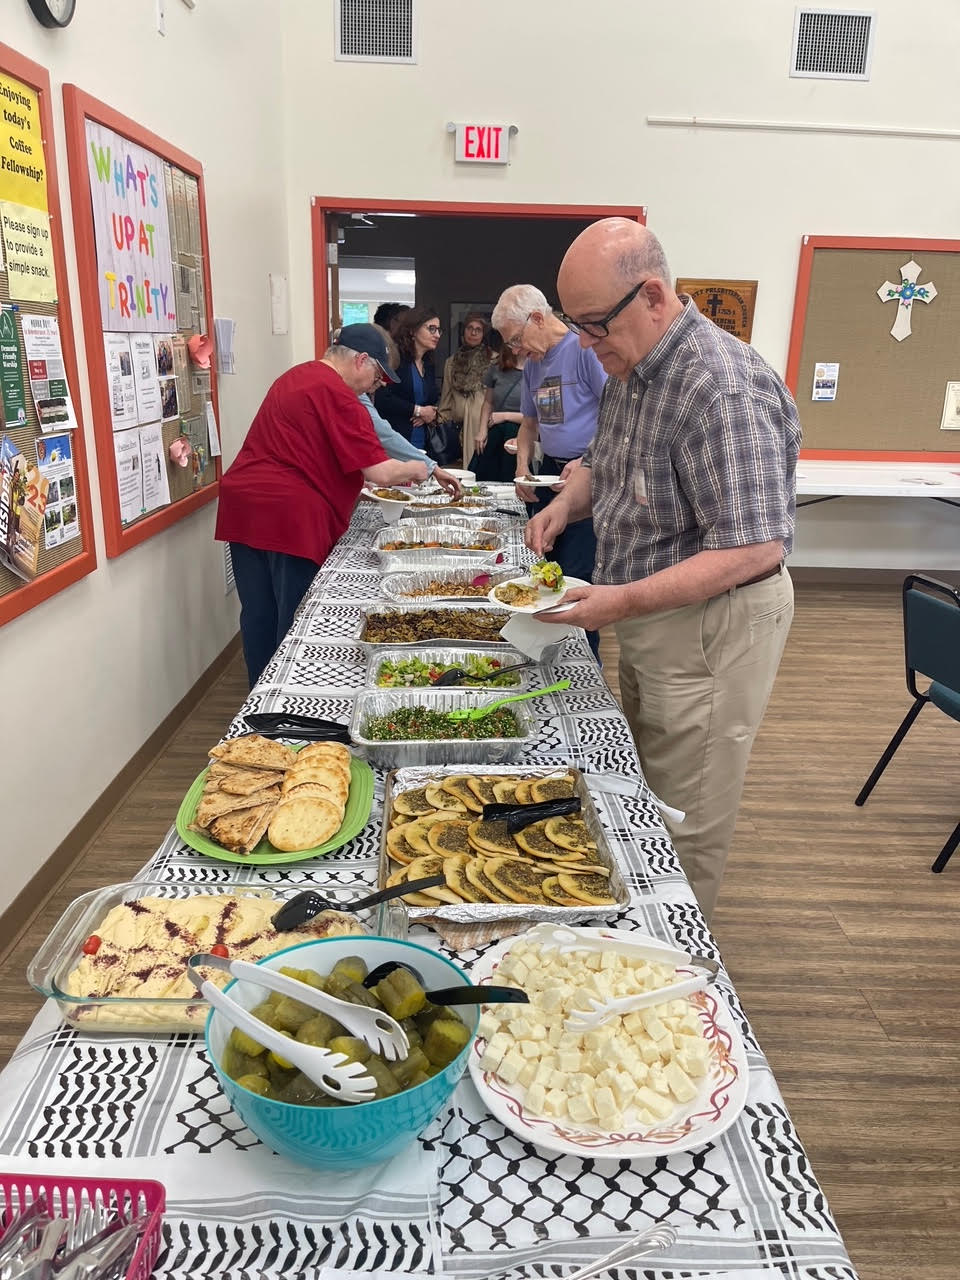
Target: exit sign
column 483, row 144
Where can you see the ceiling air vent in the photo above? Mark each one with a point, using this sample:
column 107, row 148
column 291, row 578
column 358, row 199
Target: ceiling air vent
column 832, row 44
column 375, row 30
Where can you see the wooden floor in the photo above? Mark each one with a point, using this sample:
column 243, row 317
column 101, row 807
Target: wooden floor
column 843, row 946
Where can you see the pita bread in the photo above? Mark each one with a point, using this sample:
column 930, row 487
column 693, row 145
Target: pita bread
column 303, row 822
column 322, row 752
column 321, row 791
column 242, row 830
column 519, row 881
column 590, row 887
column 441, row 799
column 399, row 849
column 330, row 778
column 454, row 871
column 216, row 804
column 255, row 752
column 244, row 782
column 413, row 802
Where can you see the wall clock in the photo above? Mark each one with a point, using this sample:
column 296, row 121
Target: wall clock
column 53, row 13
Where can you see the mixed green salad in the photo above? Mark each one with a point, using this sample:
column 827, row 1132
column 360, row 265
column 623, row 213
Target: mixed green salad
column 548, row 574
column 409, row 673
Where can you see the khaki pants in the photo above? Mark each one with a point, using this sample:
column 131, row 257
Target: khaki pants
column 695, row 683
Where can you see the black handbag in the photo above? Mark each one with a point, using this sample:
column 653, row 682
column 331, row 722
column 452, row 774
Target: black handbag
column 443, row 442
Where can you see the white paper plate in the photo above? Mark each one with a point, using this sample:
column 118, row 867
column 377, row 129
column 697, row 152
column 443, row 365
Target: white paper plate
column 399, row 502
column 546, row 596
column 718, row 1103
column 541, row 481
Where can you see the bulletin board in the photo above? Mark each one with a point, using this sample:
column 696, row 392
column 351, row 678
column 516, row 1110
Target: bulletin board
column 888, row 396
column 46, row 530
column 143, row 256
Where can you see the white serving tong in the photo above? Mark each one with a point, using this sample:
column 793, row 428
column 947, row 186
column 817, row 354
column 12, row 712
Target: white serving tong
column 564, row 940
column 333, row 1072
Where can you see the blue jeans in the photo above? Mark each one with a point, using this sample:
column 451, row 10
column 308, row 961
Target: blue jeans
column 576, row 548
column 270, row 585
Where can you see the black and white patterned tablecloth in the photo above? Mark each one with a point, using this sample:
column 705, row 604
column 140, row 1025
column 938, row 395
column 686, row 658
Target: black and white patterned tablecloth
column 469, row 1198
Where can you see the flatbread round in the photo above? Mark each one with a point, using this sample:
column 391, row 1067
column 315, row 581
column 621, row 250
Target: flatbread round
column 322, row 791
column 330, row 778
column 441, row 799
column 323, row 751
column 413, row 802
column 303, row 822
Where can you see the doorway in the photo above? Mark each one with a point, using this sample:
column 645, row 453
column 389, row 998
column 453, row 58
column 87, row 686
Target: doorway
column 464, row 254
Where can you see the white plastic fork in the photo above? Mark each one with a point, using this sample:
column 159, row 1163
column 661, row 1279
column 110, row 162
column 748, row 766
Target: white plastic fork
column 650, row 1240
column 565, row 940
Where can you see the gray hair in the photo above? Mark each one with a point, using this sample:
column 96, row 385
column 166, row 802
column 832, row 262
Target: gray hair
column 517, row 303
column 644, row 262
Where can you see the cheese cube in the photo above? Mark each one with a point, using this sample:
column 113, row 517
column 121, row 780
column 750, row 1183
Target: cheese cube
column 690, row 1022
column 681, row 1086
column 652, row 1024
column 488, row 1025
column 555, row 1034
column 593, row 960
column 609, row 960
column 551, row 998
column 633, row 1023
column 656, row 1079
column 605, row 1103
column 501, row 1041
column 519, row 1028
column 694, row 1064
column 555, row 1103
column 659, row 1106
column 569, row 1060
column 624, row 1090
column 535, row 1099
column 537, row 1032
column 599, row 1037
column 606, row 1077
column 558, row 1080
column 510, row 1068
column 491, row 1058
column 648, row 1050
column 579, row 1109
column 525, row 1077
column 544, row 1071
column 640, row 1072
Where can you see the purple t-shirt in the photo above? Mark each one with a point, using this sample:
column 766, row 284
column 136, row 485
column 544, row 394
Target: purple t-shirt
column 562, row 391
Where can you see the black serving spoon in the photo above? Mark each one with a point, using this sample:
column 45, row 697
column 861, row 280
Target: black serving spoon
column 308, row 904
column 450, row 995
column 456, row 674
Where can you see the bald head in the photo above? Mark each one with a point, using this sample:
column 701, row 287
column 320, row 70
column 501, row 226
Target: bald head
column 601, row 267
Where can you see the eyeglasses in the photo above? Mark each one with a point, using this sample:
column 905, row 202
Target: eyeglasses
column 600, row 328
column 435, row 329
column 516, row 343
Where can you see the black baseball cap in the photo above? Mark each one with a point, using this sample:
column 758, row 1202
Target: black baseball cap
column 368, row 338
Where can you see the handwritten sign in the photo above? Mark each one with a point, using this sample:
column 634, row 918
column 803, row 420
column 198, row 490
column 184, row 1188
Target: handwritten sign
column 132, row 233
column 23, row 171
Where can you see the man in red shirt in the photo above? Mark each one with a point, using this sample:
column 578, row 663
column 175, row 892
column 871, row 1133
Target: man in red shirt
column 289, row 494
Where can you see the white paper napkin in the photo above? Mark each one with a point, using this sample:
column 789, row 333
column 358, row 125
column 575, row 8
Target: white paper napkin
column 533, row 638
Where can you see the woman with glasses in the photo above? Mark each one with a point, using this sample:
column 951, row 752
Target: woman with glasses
column 461, row 399
column 411, row 403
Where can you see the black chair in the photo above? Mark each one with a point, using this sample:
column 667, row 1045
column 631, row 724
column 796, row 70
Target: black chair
column 931, row 644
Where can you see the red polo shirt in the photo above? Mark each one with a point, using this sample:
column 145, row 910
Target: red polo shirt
column 295, row 481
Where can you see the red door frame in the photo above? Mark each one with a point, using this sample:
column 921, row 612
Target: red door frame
column 808, row 247
column 78, row 566
column 323, row 205
column 78, row 108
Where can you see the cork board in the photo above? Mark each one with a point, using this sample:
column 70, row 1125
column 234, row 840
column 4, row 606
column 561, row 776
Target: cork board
column 25, row 90
column 889, row 394
column 177, row 256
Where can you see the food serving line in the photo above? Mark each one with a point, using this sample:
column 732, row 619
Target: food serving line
column 474, row 1196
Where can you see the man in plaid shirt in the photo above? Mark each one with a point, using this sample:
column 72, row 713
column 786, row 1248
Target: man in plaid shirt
column 691, row 483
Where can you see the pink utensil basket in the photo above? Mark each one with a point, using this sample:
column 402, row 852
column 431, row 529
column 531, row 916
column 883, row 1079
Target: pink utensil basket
column 67, row 1196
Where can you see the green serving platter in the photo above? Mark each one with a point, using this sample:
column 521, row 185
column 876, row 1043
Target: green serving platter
column 359, row 803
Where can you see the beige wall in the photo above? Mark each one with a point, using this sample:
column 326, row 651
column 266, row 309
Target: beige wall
column 579, row 81
column 90, row 674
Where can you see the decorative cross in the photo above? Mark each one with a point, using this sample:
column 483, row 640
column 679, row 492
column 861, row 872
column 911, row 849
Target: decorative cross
column 905, row 293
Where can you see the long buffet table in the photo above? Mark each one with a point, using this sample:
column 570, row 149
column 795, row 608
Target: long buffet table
column 470, row 1198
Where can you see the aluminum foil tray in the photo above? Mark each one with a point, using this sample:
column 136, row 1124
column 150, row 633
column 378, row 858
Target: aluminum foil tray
column 398, row 586
column 476, row 912
column 450, row 656
column 375, row 610
column 394, row 755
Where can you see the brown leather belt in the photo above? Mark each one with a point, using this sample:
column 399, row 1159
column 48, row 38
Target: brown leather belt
column 761, row 577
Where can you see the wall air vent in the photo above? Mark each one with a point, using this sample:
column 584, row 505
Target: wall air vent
column 832, row 44
column 375, row 30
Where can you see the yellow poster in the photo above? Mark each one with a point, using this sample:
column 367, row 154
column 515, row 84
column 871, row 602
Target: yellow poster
column 23, row 174
column 29, row 252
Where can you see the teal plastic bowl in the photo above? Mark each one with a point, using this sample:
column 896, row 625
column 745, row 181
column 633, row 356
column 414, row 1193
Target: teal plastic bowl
column 368, row 1132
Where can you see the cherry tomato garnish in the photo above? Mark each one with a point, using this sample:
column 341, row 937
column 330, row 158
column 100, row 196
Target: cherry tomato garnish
column 218, row 949
column 92, row 945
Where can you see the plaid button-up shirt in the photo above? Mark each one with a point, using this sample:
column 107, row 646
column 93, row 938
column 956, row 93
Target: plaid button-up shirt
column 697, row 451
